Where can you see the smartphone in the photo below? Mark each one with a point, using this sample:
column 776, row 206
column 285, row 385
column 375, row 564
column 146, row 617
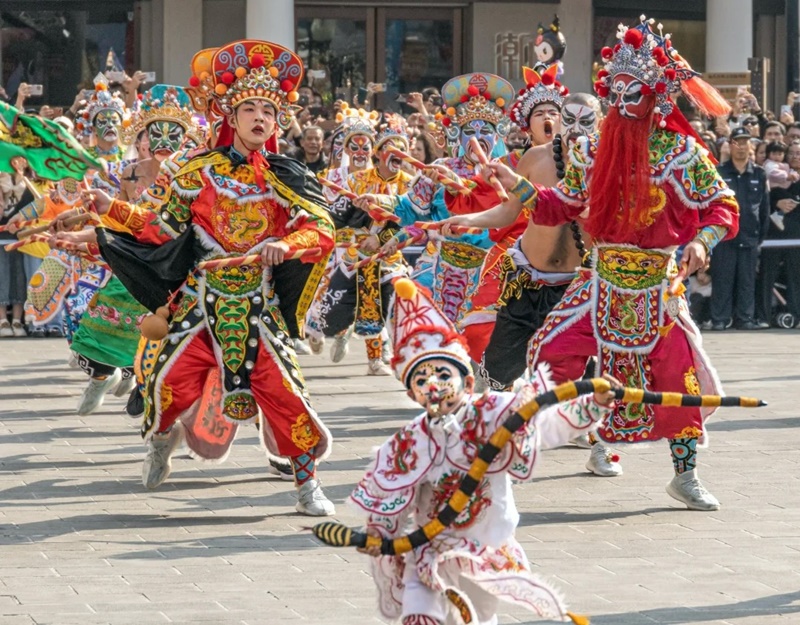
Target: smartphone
column 361, row 98
column 149, row 77
column 115, row 76
column 786, row 110
column 376, row 87
column 402, row 98
column 316, row 74
column 36, row 89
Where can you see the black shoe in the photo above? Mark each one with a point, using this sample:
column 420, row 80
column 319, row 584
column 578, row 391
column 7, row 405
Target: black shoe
column 751, row 325
column 37, row 333
column 718, row 326
column 135, row 405
column 55, row 333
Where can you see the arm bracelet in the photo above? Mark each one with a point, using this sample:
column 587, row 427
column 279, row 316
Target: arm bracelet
column 525, row 192
column 709, row 236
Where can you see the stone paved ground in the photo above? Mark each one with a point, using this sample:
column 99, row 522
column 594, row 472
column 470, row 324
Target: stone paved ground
column 82, row 542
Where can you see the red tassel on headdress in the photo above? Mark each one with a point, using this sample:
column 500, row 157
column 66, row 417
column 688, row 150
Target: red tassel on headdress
column 707, row 99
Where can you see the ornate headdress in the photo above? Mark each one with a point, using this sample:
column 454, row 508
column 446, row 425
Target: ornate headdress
column 356, row 121
column 100, row 100
column 539, row 88
column 420, row 332
column 165, row 103
column 475, row 96
column 650, row 58
column 393, row 125
column 223, row 78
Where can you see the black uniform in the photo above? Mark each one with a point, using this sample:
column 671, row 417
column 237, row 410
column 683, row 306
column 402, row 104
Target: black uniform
column 734, row 263
column 773, row 258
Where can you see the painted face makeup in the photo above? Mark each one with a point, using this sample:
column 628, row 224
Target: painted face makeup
column 165, row 138
column 389, row 161
column 577, row 120
column 359, row 149
column 438, row 386
column 485, row 133
column 626, row 94
column 106, row 125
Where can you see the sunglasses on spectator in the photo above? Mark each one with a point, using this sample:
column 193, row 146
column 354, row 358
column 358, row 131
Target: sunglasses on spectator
column 750, row 123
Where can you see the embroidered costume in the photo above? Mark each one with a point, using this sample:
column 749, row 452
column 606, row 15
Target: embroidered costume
column 474, row 106
column 362, row 296
column 622, row 309
column 475, row 562
column 231, row 326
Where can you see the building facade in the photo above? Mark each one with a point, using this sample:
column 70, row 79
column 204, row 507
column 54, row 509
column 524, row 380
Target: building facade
column 397, row 45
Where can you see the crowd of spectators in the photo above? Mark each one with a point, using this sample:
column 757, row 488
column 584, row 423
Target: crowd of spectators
column 748, row 286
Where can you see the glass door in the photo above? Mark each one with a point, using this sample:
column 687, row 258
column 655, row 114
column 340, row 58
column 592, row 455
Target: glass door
column 423, row 51
column 337, row 46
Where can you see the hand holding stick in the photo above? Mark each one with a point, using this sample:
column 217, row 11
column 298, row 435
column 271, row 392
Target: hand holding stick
column 383, row 254
column 451, row 184
column 454, row 228
column 477, row 150
column 67, row 223
column 376, row 212
column 237, row 261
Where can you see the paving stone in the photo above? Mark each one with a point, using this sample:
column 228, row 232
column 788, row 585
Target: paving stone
column 81, row 541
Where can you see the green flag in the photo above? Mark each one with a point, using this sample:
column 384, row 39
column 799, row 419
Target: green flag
column 50, row 150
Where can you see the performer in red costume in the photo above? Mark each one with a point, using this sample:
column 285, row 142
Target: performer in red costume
column 649, row 186
column 233, row 324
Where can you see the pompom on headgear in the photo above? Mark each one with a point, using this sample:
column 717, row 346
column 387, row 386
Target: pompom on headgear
column 650, row 57
column 225, row 77
column 421, row 332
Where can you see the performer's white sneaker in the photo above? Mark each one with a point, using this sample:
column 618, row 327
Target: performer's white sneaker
column 317, row 345
column 339, row 348
column 377, row 367
column 603, row 462
column 124, row 388
column 158, row 461
column 300, row 347
column 312, row 501
column 688, row 489
column 95, row 392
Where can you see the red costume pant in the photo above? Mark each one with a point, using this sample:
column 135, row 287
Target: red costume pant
column 672, row 365
column 284, row 410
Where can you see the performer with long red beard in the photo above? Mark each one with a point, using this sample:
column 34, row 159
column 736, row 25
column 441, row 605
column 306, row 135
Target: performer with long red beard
column 651, row 187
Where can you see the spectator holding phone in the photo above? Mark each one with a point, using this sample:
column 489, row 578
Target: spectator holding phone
column 786, row 201
column 734, row 262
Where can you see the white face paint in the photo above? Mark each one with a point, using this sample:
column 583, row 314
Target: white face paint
column 438, row 386
column 577, row 120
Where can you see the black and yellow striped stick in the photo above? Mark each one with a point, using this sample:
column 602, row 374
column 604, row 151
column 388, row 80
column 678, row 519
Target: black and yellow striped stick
column 338, row 535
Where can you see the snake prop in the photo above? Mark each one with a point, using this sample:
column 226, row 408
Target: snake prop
column 339, row 535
